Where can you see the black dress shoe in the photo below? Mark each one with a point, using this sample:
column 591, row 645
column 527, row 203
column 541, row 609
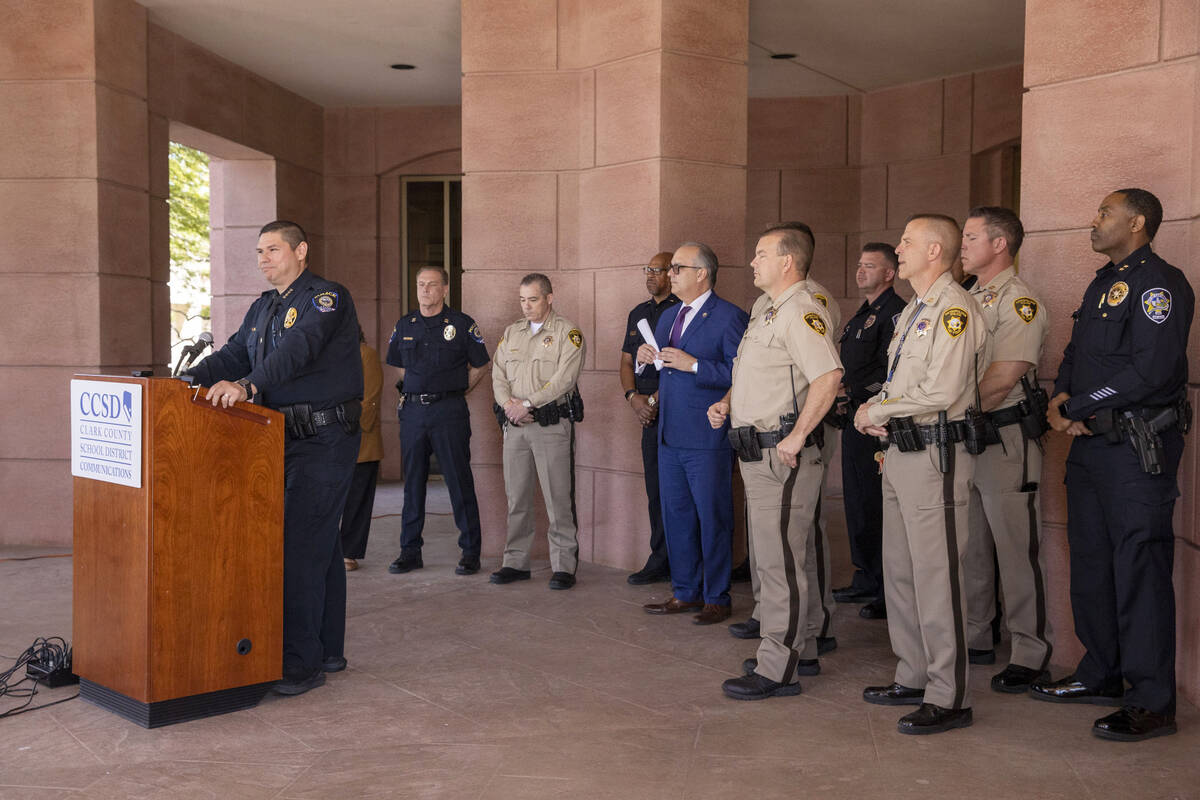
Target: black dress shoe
column 852, row 594
column 805, row 666
column 745, row 630
column 562, row 580
column 405, row 564
column 756, row 687
column 1133, row 724
column 293, row 686
column 893, row 695
column 1069, row 690
column 1015, row 679
column 467, row 567
column 647, row 575
column 934, row 719
column 508, row 575
column 333, row 664
column 876, row 609
column 826, row 644
column 981, row 656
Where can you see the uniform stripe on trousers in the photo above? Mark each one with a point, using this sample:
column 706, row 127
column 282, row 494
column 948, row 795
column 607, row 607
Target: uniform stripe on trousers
column 574, row 515
column 826, row 617
column 789, row 570
column 960, row 648
column 1039, row 587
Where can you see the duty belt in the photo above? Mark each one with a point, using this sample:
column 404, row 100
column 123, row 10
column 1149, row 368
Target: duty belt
column 773, row 438
column 956, row 431
column 302, row 422
column 1006, row 416
column 433, row 397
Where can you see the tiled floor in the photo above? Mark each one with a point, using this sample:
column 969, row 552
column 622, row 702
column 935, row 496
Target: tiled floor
column 461, row 689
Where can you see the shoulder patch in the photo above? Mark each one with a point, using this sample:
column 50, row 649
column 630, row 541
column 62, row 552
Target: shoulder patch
column 576, row 337
column 954, row 320
column 815, row 322
column 822, row 299
column 290, row 319
column 1157, row 305
column 326, row 301
column 1026, row 308
column 474, row 333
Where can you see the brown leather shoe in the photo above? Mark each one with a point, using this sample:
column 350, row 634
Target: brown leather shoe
column 351, row 564
column 672, row 606
column 711, row 615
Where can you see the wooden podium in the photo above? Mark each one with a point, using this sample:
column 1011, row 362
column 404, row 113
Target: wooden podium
column 178, row 593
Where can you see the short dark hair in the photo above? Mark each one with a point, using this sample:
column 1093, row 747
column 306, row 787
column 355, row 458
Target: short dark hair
column 543, row 283
column 889, row 252
column 796, row 240
column 951, row 248
column 706, row 258
column 445, row 276
column 292, row 233
column 1140, row 201
column 1001, row 221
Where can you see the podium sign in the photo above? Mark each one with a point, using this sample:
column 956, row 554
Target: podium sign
column 106, row 431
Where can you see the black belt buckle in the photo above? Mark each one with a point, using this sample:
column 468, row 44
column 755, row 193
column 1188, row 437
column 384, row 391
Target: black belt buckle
column 428, row 399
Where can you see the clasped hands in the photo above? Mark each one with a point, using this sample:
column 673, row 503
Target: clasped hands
column 671, row 356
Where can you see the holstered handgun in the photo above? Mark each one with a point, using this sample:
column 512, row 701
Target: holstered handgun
column 498, row 411
column 744, row 441
column 839, row 414
column 575, row 405
column 1145, row 440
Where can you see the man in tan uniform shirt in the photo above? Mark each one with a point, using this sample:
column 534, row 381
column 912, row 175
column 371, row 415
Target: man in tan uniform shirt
column 534, row 372
column 1003, row 506
column 820, row 602
column 939, row 340
column 786, row 367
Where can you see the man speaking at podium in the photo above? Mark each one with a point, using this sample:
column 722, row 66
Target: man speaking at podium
column 297, row 352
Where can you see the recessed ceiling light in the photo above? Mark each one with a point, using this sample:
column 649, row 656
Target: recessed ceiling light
column 782, row 56
column 403, row 66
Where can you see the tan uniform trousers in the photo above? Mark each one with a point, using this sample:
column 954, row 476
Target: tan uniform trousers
column 545, row 455
column 818, row 563
column 1005, row 531
column 781, row 503
column 924, row 544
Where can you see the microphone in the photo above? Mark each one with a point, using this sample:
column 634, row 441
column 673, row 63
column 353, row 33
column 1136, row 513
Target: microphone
column 203, row 342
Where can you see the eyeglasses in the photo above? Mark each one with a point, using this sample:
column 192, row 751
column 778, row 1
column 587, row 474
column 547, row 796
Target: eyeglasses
column 655, row 271
column 674, row 268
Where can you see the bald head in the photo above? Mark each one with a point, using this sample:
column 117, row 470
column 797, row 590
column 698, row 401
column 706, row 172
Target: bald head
column 928, row 247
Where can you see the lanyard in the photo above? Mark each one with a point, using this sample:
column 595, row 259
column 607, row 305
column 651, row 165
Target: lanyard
column 899, row 347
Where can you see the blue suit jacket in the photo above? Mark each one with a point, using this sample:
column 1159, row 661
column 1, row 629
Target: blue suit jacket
column 712, row 336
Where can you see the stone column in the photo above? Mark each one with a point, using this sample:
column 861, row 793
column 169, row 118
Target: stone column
column 75, row 219
column 1111, row 103
column 594, row 136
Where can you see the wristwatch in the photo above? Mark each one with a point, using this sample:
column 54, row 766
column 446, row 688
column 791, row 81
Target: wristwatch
column 245, row 384
column 652, row 400
column 630, row 393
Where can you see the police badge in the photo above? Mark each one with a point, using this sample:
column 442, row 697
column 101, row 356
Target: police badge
column 1117, row 293
column 290, row 319
column 448, row 333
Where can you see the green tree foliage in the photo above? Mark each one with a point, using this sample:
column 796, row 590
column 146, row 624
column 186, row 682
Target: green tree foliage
column 191, row 288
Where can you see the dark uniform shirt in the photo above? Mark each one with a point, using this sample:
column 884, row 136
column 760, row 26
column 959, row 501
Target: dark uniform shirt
column 436, row 351
column 296, row 346
column 864, row 345
column 647, row 381
column 1129, row 340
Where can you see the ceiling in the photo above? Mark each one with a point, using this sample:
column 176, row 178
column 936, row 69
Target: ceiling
column 337, row 52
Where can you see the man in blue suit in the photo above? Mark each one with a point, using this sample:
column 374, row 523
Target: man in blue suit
column 695, row 462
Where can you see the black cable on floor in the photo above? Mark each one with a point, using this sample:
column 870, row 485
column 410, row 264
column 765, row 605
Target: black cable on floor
column 51, row 654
